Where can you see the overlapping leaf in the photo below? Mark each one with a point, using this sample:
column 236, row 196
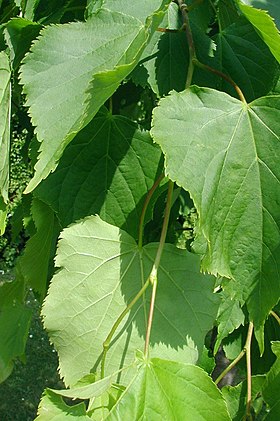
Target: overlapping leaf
column 236, row 396
column 271, row 386
column 107, row 170
column 5, row 99
column 172, row 391
column 19, row 34
column 101, row 271
column 140, row 10
column 237, row 47
column 53, row 408
column 33, row 265
column 272, row 6
column 230, row 317
column 225, row 153
column 74, row 68
column 264, row 25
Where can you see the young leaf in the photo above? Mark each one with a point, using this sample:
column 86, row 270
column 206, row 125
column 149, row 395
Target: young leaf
column 170, row 390
column 5, row 104
column 108, row 169
column 75, row 68
column 220, row 150
column 264, row 26
column 53, row 408
column 101, row 271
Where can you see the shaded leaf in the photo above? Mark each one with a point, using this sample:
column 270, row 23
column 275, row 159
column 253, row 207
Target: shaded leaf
column 170, row 390
column 271, row 386
column 19, row 33
column 237, row 48
column 230, row 317
column 220, row 150
column 236, row 396
column 107, row 170
column 76, row 67
column 33, row 265
column 14, row 326
column 101, row 271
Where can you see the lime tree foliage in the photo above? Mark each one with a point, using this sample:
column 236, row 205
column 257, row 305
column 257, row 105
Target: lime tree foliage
column 150, row 132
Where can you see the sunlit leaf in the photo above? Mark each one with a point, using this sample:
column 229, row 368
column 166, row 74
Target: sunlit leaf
column 75, row 67
column 101, row 271
column 225, row 153
column 53, row 408
column 170, row 390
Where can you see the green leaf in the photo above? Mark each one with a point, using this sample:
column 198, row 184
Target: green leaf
column 53, row 408
column 33, row 265
column 140, row 10
column 76, row 67
column 220, row 150
column 14, row 326
column 108, row 168
column 19, row 33
column 87, row 387
column 264, row 26
column 236, row 396
column 170, row 390
column 5, row 105
column 271, row 386
column 237, row 47
column 101, row 271
column 230, row 317
column 5, row 370
column 272, row 6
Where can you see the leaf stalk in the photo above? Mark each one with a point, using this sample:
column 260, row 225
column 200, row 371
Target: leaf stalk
column 107, row 341
column 187, row 28
column 203, row 66
column 153, row 278
column 144, row 210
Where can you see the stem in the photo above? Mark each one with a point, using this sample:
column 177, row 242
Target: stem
column 187, row 28
column 153, row 275
column 244, row 351
column 107, row 341
column 230, row 366
column 275, row 315
column 223, row 75
column 111, row 105
column 144, row 209
column 249, row 370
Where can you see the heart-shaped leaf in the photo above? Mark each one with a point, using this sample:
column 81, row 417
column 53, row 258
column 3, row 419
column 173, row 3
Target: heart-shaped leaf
column 101, row 271
column 225, row 153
